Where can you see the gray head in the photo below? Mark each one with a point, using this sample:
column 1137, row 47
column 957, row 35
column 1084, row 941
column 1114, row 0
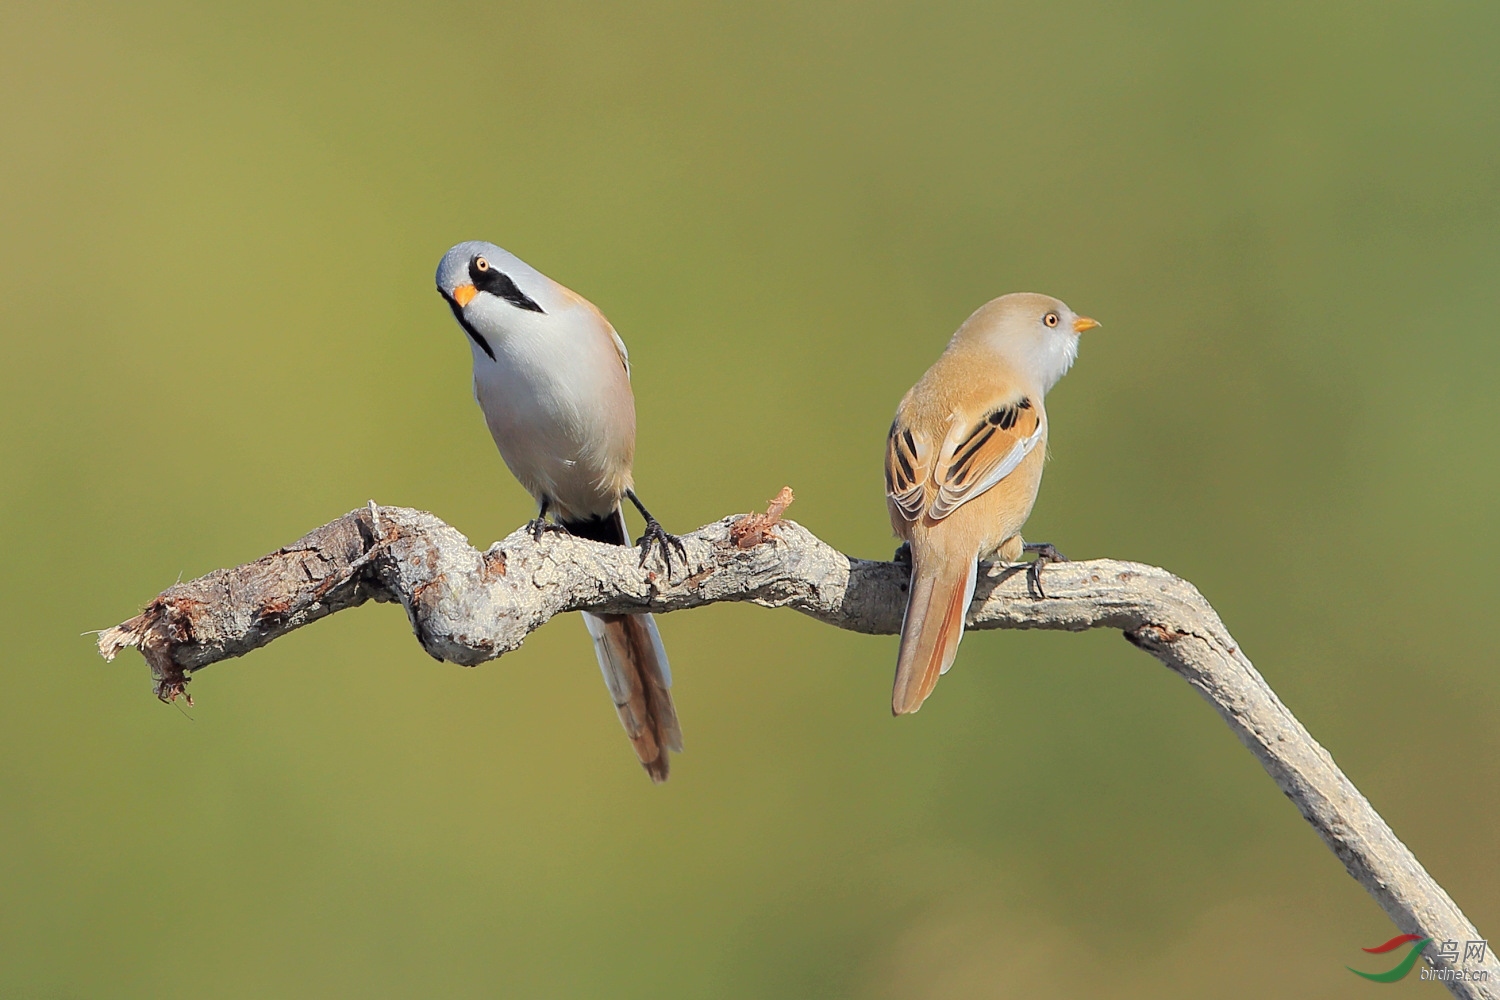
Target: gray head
column 490, row 290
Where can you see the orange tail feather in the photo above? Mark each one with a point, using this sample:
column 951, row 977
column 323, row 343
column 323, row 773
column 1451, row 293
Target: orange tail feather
column 635, row 669
column 930, row 634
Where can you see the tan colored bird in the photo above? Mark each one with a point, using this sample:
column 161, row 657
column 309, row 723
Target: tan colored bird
column 963, row 463
column 553, row 380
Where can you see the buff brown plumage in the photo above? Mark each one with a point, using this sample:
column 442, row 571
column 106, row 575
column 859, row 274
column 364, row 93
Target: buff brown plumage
column 963, row 464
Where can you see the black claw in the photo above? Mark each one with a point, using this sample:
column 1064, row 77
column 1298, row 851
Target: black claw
column 539, row 526
column 1045, row 553
column 903, row 555
column 657, row 535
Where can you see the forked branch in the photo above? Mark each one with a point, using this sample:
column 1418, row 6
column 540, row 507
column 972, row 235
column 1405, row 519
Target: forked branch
column 468, row 606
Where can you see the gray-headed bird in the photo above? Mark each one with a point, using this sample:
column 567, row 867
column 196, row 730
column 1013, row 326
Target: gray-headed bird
column 553, row 379
column 963, row 463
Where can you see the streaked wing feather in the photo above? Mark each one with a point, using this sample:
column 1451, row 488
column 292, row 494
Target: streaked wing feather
column 907, row 459
column 976, row 457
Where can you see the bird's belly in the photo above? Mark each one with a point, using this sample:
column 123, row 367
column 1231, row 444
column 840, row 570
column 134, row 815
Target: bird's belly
column 564, row 443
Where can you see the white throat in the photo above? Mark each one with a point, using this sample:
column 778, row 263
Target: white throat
column 1044, row 360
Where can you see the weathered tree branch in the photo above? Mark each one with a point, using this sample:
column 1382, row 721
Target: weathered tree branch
column 467, row 606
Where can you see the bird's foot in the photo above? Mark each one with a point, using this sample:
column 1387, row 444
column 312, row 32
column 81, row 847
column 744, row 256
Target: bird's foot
column 658, row 536
column 1045, row 553
column 539, row 526
column 902, row 556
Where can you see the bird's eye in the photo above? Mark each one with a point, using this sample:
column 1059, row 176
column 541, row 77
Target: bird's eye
column 480, row 264
column 1050, row 319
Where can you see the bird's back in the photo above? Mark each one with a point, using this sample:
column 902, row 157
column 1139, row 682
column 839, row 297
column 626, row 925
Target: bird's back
column 962, row 386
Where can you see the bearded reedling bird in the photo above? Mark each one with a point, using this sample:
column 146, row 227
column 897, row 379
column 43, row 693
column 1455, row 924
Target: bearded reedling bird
column 553, row 380
column 963, row 463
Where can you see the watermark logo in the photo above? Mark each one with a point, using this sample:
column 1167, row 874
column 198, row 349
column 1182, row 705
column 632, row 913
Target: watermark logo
column 1402, row 967
column 1447, row 952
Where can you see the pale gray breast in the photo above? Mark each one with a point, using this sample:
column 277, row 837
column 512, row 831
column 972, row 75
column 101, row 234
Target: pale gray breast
column 558, row 404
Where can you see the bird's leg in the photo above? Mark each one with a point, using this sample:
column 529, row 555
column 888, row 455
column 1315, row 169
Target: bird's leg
column 903, row 555
column 1045, row 553
column 539, row 525
column 657, row 535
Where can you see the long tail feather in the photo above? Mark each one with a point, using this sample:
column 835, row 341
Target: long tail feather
column 640, row 682
column 930, row 632
column 634, row 664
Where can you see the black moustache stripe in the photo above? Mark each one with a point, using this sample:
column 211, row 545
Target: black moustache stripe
column 499, row 285
column 474, row 335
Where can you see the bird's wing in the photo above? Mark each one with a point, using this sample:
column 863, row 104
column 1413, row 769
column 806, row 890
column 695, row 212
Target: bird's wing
column 619, row 348
column 598, row 318
column 977, row 455
column 908, row 467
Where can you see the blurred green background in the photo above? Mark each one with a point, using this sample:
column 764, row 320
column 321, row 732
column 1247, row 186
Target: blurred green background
column 218, row 228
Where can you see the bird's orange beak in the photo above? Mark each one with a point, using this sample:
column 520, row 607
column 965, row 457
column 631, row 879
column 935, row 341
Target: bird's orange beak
column 464, row 294
column 1083, row 323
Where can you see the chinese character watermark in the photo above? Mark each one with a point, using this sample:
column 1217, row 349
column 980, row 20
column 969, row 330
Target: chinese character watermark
column 1447, row 951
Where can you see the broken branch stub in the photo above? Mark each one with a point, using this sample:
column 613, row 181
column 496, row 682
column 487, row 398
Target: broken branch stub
column 753, row 529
